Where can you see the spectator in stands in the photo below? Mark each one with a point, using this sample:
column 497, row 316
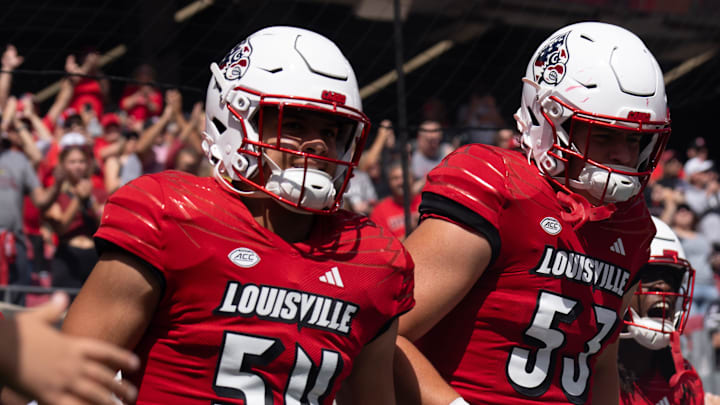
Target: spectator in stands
column 712, row 321
column 669, row 171
column 433, row 109
column 374, row 158
column 111, row 142
column 697, row 149
column 429, row 152
column 390, row 211
column 157, row 139
column 17, row 179
column 697, row 249
column 703, row 192
column 141, row 100
column 39, row 362
column 89, row 92
column 480, row 118
column 663, row 201
column 18, row 132
column 120, row 169
column 187, row 159
column 75, row 216
column 703, row 196
column 506, row 138
column 360, row 196
column 9, row 62
column 189, row 139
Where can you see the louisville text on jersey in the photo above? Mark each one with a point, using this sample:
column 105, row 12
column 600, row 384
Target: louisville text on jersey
column 582, row 269
column 287, row 306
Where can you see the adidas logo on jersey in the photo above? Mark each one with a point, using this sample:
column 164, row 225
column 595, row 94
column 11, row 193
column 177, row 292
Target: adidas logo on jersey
column 618, row 247
column 332, row 277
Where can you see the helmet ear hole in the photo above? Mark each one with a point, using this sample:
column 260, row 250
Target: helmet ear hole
column 219, row 126
column 534, row 119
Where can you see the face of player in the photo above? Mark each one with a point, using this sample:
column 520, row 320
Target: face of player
column 657, row 279
column 608, row 145
column 303, row 131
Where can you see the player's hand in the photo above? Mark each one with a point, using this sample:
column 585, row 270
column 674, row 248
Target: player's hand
column 58, row 369
column 10, row 58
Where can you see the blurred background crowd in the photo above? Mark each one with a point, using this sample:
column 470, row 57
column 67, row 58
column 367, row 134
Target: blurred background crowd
column 62, row 155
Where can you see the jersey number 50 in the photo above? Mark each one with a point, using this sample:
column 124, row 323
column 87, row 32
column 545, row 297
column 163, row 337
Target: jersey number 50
column 241, row 352
column 530, row 372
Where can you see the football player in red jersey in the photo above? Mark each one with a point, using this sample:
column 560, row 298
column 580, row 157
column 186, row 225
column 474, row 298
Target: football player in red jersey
column 652, row 368
column 252, row 287
column 531, row 260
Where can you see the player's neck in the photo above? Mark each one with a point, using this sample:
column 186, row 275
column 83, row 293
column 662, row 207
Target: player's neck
column 290, row 226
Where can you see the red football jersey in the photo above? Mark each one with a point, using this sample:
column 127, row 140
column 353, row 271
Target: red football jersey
column 656, row 390
column 246, row 317
column 391, row 215
column 532, row 327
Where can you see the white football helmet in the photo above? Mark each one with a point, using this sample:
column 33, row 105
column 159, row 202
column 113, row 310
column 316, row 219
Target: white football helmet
column 284, row 68
column 668, row 314
column 604, row 76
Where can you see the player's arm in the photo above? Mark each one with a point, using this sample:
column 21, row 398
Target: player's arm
column 371, row 380
column 605, row 377
column 449, row 259
column 413, row 369
column 117, row 301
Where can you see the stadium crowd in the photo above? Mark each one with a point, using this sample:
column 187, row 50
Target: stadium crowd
column 58, row 167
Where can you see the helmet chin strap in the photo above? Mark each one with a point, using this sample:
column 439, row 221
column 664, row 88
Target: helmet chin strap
column 646, row 336
column 620, row 187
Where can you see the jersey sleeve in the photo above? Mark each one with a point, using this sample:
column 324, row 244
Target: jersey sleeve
column 403, row 299
column 385, row 272
column 468, row 188
column 132, row 220
column 394, row 295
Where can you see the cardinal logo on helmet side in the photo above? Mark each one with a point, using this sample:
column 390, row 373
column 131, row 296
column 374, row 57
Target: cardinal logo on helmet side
column 549, row 67
column 236, row 62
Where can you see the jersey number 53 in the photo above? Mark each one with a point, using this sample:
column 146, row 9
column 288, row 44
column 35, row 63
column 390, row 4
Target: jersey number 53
column 530, row 371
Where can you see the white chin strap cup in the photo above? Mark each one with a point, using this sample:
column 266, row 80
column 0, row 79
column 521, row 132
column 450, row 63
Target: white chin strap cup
column 645, row 336
column 620, row 187
column 319, row 189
